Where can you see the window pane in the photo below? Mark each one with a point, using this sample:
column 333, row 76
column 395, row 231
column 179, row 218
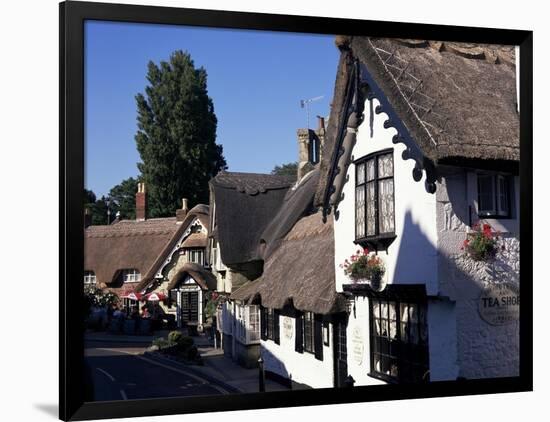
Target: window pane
column 384, row 327
column 360, row 173
column 386, row 209
column 486, row 194
column 385, row 165
column 360, row 211
column 393, row 320
column 503, row 189
column 370, row 169
column 384, row 312
column 371, row 228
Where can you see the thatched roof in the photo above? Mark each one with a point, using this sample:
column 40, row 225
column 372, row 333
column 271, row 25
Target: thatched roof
column 142, row 245
column 126, row 244
column 298, row 201
column 204, row 278
column 299, row 272
column 199, row 212
column 245, row 204
column 457, row 100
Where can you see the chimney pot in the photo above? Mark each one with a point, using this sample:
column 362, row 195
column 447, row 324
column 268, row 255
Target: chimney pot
column 182, row 213
column 321, row 120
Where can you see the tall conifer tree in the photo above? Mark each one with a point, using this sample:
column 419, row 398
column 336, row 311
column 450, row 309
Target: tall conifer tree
column 176, row 135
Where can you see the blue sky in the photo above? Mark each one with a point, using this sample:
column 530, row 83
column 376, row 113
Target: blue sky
column 255, row 79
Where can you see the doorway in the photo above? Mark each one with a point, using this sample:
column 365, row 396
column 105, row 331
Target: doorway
column 340, row 351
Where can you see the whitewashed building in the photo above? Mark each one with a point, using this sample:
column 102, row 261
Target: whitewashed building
column 422, row 143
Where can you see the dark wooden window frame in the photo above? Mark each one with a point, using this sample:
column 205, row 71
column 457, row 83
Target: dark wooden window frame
column 496, row 199
column 308, row 331
column 378, row 241
column 269, row 324
column 401, row 349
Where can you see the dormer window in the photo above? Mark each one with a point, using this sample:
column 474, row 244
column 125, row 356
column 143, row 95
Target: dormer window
column 131, row 275
column 494, row 195
column 374, row 200
column 89, row 277
column 196, row 256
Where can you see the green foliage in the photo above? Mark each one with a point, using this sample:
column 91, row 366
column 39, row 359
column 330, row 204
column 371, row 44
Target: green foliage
column 176, row 135
column 481, row 244
column 212, row 301
column 288, row 169
column 95, row 297
column 175, row 337
column 123, row 198
column 161, row 343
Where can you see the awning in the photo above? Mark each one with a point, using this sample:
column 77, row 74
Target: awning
column 133, row 296
column 155, row 297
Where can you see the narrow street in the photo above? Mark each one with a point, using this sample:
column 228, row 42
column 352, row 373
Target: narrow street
column 121, row 372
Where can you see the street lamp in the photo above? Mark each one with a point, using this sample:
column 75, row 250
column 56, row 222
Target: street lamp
column 262, row 374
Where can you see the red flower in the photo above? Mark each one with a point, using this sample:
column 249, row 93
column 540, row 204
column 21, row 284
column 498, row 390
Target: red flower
column 365, row 251
column 466, row 242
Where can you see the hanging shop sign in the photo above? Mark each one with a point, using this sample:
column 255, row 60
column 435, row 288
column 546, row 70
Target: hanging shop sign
column 288, row 328
column 499, row 304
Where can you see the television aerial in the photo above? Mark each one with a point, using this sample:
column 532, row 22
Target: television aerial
column 305, row 104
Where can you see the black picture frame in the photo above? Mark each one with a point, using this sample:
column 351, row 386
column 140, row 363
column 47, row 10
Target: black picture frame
column 71, row 126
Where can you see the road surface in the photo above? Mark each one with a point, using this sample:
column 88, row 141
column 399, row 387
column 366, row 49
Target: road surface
column 121, row 372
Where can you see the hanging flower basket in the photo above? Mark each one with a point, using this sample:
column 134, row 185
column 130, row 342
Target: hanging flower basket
column 481, row 243
column 364, row 267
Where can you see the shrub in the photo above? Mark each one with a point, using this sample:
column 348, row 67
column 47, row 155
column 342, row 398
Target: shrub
column 192, row 353
column 161, row 343
column 186, row 342
column 175, row 337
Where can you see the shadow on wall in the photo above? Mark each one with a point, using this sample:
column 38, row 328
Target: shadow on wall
column 416, row 256
column 479, row 349
column 277, row 370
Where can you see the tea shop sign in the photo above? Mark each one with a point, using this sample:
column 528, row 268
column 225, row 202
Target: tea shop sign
column 499, row 304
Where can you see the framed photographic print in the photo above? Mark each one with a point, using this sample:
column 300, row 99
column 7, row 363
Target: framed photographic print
column 267, row 210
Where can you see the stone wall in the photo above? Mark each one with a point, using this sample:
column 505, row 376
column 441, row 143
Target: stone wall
column 483, row 350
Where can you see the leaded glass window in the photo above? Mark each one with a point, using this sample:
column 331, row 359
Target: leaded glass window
column 399, row 341
column 374, row 196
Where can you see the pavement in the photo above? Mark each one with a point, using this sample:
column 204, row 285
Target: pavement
column 135, row 373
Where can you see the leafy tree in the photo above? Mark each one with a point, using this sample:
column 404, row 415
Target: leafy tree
column 123, row 198
column 89, row 197
column 176, row 135
column 288, row 169
column 96, row 207
column 99, row 211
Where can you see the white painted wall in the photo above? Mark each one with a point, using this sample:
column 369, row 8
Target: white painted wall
column 303, row 368
column 412, row 257
column 483, row 350
column 430, row 229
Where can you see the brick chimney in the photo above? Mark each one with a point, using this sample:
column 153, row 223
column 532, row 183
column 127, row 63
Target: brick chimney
column 87, row 217
column 182, row 213
column 141, row 203
column 310, row 147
